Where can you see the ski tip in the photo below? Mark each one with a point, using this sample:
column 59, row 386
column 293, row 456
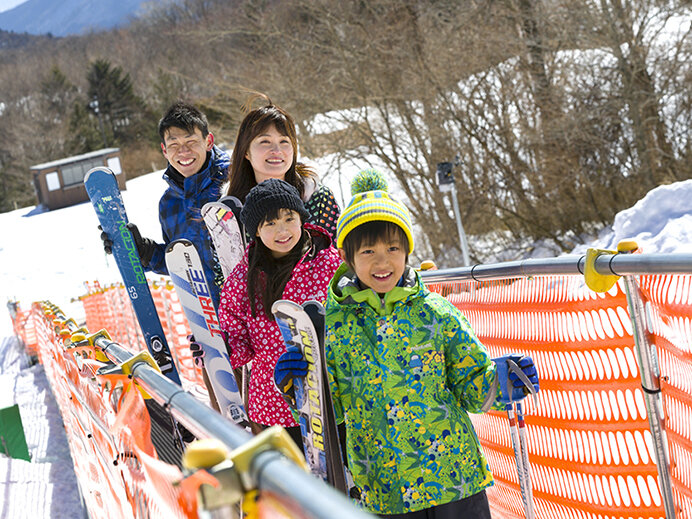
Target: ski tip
column 95, row 171
column 285, row 304
column 183, row 242
column 231, row 202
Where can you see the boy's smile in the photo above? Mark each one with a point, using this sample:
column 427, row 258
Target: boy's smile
column 380, row 266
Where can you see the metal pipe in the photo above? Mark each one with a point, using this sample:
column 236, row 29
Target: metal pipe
column 618, row 264
column 460, row 228
column 270, row 470
column 650, row 375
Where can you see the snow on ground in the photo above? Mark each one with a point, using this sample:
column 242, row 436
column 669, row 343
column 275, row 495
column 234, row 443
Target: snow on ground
column 51, row 255
column 46, row 486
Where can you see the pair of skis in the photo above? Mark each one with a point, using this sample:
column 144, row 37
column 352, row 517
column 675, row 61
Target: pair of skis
column 102, row 187
column 187, row 274
column 302, row 329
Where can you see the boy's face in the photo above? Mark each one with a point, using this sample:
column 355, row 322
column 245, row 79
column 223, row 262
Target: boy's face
column 186, row 152
column 380, row 265
column 281, row 234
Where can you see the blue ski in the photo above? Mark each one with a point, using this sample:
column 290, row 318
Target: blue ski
column 104, row 193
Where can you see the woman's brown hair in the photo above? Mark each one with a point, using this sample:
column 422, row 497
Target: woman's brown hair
column 240, row 173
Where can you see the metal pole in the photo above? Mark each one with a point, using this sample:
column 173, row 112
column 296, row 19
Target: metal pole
column 618, row 264
column 270, row 470
column 460, row 227
column 650, row 375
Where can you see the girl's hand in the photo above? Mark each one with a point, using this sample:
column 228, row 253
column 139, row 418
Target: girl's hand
column 289, row 366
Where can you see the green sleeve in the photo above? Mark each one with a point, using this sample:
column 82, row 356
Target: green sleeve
column 333, row 382
column 470, row 371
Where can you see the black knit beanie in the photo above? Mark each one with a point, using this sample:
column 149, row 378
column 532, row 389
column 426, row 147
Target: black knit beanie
column 272, row 194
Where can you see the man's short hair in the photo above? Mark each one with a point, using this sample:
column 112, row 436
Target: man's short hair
column 185, row 116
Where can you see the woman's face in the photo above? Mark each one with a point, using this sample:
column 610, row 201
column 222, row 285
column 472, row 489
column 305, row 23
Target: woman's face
column 270, row 154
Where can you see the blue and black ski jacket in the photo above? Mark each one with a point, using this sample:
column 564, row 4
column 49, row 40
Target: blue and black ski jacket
column 180, row 214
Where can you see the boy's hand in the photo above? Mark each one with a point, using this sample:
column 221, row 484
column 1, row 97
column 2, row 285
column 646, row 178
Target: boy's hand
column 145, row 246
column 289, row 366
column 517, row 377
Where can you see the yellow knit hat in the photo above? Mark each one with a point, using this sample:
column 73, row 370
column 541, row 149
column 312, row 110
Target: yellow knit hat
column 372, row 203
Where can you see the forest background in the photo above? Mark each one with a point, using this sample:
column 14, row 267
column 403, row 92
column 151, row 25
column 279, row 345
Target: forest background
column 556, row 113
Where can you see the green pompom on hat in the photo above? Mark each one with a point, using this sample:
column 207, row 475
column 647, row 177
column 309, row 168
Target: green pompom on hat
column 368, row 180
column 371, row 203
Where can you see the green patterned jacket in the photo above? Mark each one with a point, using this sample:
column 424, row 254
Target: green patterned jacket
column 404, row 372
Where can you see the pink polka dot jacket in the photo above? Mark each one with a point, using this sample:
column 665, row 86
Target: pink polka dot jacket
column 258, row 339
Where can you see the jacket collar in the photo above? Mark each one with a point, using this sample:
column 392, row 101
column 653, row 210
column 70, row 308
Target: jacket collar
column 215, row 169
column 346, row 289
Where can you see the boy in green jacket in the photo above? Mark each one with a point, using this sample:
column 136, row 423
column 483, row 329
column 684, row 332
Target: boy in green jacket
column 405, row 369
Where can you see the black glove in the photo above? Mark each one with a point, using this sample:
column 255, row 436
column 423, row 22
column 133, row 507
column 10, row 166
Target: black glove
column 145, row 246
column 197, row 351
column 107, row 242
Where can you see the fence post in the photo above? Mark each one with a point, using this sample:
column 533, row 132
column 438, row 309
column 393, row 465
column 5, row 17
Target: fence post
column 647, row 357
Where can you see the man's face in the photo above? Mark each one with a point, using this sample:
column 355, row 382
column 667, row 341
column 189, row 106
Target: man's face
column 380, row 265
column 186, row 152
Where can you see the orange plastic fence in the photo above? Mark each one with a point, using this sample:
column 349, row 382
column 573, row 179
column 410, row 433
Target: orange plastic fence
column 108, row 430
column 109, row 439
column 109, row 307
column 589, row 442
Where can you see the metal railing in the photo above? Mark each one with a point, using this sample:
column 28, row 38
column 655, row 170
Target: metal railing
column 268, row 469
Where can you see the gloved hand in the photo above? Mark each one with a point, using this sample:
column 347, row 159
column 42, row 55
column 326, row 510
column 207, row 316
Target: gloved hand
column 197, row 351
column 107, row 242
column 145, row 246
column 517, row 377
column 289, row 366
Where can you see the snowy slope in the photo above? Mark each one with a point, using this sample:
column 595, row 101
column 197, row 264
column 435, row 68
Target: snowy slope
column 46, row 486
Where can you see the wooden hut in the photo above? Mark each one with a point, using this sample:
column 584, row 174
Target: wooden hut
column 60, row 183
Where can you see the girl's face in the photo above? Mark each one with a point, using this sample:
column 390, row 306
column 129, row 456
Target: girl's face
column 270, row 154
column 282, row 234
column 380, row 265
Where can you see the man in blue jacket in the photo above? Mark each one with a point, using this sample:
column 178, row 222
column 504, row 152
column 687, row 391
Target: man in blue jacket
column 196, row 170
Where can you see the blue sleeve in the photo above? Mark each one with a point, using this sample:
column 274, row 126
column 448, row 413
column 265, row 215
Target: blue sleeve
column 158, row 260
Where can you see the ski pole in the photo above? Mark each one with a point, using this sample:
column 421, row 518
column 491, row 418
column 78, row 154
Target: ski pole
column 518, row 457
column 526, row 467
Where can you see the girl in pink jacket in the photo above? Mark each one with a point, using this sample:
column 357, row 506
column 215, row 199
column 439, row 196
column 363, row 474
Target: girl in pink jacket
column 288, row 259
